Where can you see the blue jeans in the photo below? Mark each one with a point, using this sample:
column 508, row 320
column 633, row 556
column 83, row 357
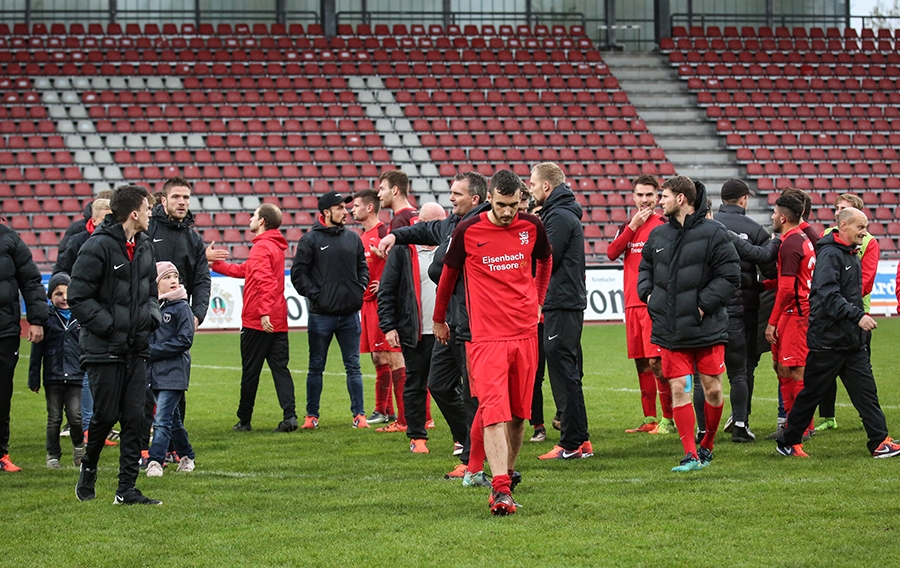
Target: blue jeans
column 87, row 404
column 168, row 426
column 320, row 330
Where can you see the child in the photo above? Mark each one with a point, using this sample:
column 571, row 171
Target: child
column 63, row 377
column 169, row 370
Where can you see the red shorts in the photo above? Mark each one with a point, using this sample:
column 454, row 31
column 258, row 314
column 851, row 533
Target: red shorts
column 637, row 330
column 790, row 348
column 502, row 373
column 681, row 362
column 371, row 338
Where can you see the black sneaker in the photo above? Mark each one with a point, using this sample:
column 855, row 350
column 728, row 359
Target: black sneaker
column 242, row 427
column 729, row 424
column 134, row 497
column 742, row 435
column 777, row 433
column 514, row 480
column 84, row 489
column 286, row 425
column 699, row 437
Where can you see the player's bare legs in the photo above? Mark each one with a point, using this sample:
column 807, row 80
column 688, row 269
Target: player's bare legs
column 515, row 429
column 497, row 447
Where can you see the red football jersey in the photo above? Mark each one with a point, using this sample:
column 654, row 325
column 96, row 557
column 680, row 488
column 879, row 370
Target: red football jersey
column 796, row 261
column 632, row 244
column 371, row 238
column 405, row 218
column 501, row 296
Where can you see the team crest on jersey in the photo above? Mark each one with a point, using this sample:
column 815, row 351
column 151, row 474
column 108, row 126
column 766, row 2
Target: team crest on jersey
column 523, row 238
column 167, row 318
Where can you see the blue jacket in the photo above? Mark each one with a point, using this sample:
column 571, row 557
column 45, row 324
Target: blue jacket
column 59, row 352
column 169, row 366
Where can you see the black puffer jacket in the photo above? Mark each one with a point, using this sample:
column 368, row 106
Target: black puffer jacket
column 398, row 303
column 66, row 259
column 75, row 228
column 114, row 299
column 735, row 219
column 58, row 353
column 835, row 299
column 684, row 268
column 561, row 216
column 18, row 272
column 330, row 270
column 181, row 245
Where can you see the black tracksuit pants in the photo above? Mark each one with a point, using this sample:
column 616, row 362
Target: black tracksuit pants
column 855, row 370
column 415, row 392
column 537, row 399
column 9, row 356
column 119, row 391
column 448, row 385
column 258, row 347
column 562, row 347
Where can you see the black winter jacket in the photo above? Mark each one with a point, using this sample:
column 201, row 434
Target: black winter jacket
column 75, row 228
column 438, row 233
column 398, row 302
column 330, row 270
column 66, row 259
column 113, row 298
column 561, row 216
column 835, row 299
column 59, row 353
column 684, row 268
column 181, row 245
column 169, row 367
column 735, row 219
column 18, row 272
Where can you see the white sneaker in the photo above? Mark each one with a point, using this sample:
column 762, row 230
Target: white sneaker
column 186, row 465
column 53, row 463
column 154, row 469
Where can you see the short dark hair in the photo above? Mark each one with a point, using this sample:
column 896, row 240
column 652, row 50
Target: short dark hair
column 398, row 178
column 505, row 182
column 369, row 197
column 478, row 184
column 682, row 184
column 803, row 197
column 177, row 181
column 791, row 206
column 645, row 179
column 271, row 215
column 125, row 199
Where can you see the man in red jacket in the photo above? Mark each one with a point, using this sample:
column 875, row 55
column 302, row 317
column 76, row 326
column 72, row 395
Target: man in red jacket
column 264, row 316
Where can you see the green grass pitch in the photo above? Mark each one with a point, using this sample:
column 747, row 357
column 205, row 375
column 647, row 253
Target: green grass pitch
column 338, row 496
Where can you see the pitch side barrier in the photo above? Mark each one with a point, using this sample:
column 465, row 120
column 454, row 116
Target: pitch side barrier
column 606, row 299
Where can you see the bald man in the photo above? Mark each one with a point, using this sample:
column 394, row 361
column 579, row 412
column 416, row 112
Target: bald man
column 838, row 337
column 405, row 306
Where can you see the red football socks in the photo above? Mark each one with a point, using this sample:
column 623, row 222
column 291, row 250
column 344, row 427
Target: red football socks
column 647, row 382
column 665, row 397
column 398, row 380
column 685, row 423
column 713, row 416
column 383, row 389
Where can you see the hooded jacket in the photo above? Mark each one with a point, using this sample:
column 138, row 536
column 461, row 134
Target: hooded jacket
column 561, row 216
column 169, row 367
column 835, row 299
column 330, row 269
column 686, row 267
column 735, row 219
column 18, row 272
column 59, row 353
column 112, row 297
column 263, row 275
column 181, row 245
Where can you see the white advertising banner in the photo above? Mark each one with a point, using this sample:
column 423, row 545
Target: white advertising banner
column 606, row 299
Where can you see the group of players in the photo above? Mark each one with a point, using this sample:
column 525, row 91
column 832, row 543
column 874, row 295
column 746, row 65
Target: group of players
column 467, row 308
